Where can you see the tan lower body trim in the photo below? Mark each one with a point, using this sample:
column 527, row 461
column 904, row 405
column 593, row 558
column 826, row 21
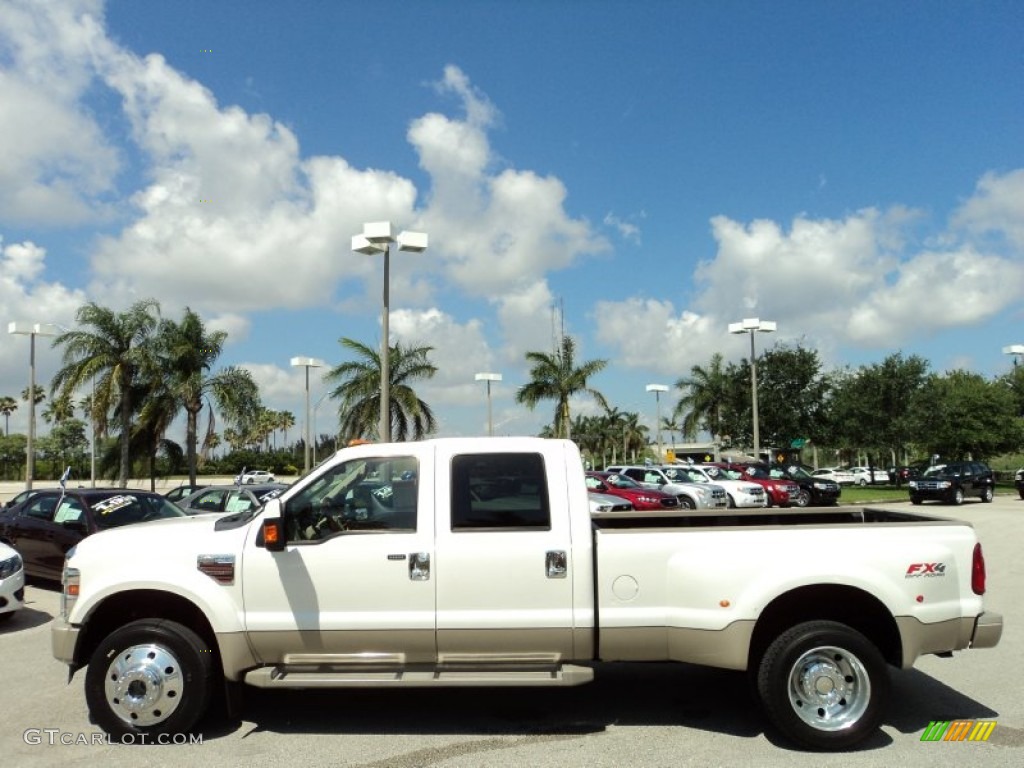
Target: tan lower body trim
column 724, row 648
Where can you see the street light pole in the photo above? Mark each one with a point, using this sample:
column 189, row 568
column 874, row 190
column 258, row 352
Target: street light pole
column 31, row 330
column 307, row 363
column 657, row 389
column 377, row 238
column 489, row 377
column 753, row 325
column 316, row 408
column 1017, row 350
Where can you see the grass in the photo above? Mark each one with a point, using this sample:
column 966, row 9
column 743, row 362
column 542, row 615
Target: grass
column 854, row 494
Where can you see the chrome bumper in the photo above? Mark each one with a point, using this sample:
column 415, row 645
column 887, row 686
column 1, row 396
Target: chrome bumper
column 988, row 628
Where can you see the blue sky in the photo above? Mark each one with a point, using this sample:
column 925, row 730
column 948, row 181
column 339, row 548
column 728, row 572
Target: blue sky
column 656, row 170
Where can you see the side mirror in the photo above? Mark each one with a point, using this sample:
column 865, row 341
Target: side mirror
column 272, row 534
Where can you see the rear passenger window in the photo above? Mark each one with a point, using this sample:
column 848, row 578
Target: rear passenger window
column 499, row 491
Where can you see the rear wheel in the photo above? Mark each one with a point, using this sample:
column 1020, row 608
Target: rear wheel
column 823, row 685
column 149, row 677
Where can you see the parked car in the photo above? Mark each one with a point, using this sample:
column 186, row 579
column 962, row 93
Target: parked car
column 605, row 502
column 12, row 582
column 619, row 485
column 43, row 528
column 255, row 476
column 837, row 475
column 182, row 492
column 863, row 476
column 739, row 493
column 952, row 482
column 17, row 499
column 691, row 495
column 1018, row 480
column 778, row 492
column 230, row 498
column 814, row 491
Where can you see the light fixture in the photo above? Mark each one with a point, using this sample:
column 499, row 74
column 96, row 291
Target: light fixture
column 307, row 363
column 753, row 325
column 489, row 377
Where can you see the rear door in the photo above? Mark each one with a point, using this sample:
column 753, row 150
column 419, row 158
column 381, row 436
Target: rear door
column 504, row 558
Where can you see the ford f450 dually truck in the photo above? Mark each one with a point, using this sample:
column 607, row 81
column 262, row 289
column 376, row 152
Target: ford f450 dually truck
column 477, row 562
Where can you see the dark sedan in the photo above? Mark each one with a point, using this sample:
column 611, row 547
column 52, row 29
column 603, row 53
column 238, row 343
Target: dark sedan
column 45, row 526
column 230, row 498
column 179, row 494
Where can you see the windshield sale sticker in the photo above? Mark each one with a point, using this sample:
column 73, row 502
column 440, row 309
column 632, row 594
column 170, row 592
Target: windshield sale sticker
column 107, row 506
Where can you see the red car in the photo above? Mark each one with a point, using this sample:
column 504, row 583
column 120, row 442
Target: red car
column 619, row 485
column 778, row 492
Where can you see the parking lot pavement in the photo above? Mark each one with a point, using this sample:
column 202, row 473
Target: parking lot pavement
column 636, row 715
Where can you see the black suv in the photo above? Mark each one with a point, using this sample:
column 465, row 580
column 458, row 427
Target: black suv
column 952, row 482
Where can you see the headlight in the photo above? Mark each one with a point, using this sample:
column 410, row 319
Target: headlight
column 913, row 484
column 10, row 566
column 704, row 493
column 945, row 484
column 821, row 486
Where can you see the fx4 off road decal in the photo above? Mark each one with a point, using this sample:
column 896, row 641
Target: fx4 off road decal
column 925, row 570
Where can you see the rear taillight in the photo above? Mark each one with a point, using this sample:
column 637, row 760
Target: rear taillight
column 978, row 571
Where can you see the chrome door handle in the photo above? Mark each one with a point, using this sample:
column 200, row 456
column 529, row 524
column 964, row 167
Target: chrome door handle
column 556, row 564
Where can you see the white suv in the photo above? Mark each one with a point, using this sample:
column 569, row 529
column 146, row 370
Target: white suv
column 739, row 493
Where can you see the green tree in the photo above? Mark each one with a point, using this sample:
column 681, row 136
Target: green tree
column 705, row 395
column 557, row 377
column 59, row 409
column 40, row 394
column 112, row 348
column 962, row 415
column 358, row 391
column 8, row 405
column 187, row 353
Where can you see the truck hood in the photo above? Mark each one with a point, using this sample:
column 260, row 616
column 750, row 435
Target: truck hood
column 182, row 536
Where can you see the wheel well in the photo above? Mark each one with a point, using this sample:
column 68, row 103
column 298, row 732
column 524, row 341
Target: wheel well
column 120, row 609
column 830, row 602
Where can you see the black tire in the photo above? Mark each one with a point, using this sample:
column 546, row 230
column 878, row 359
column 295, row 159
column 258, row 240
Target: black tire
column 732, row 502
column 687, row 503
column 987, row 494
column 814, row 655
column 862, row 482
column 1021, row 492
column 915, row 499
column 957, row 497
column 148, row 678
column 803, row 498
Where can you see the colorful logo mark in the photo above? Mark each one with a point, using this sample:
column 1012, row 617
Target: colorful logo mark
column 958, row 730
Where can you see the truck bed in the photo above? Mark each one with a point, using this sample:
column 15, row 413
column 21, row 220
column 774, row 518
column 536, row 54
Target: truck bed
column 746, row 518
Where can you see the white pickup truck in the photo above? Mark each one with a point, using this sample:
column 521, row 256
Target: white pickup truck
column 477, row 561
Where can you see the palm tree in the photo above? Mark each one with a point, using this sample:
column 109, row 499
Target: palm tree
column 8, row 405
column 705, row 392
column 40, row 394
column 556, row 377
column 114, row 352
column 187, row 353
column 59, row 409
column 285, row 421
column 359, row 392
column 634, row 435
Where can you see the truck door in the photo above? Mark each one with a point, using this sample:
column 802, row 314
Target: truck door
column 504, row 560
column 354, row 583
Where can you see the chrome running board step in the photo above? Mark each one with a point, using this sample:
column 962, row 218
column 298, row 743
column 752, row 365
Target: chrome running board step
column 306, row 676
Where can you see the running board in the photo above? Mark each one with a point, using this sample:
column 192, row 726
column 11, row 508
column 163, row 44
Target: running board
column 416, row 677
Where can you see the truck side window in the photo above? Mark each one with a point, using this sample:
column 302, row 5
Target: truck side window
column 499, row 491
column 371, row 494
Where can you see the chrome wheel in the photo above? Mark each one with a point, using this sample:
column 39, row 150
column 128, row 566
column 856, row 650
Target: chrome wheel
column 144, row 685
column 829, row 688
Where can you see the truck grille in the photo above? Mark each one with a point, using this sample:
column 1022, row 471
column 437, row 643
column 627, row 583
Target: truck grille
column 928, row 485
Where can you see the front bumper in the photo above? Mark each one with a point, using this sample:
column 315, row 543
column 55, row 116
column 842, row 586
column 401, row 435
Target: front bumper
column 988, row 629
column 12, row 592
column 64, row 640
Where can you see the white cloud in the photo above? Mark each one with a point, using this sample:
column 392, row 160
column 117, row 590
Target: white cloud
column 997, row 206
column 55, row 164
column 626, row 229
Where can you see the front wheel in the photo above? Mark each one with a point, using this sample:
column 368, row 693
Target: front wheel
column 823, row 684
column 916, row 500
column 687, row 503
column 957, row 497
column 987, row 494
column 148, row 678
column 803, row 499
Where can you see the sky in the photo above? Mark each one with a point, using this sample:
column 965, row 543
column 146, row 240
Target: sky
column 637, row 175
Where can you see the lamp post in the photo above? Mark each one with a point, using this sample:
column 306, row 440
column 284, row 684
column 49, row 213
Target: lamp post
column 31, row 330
column 1017, row 350
column 489, row 377
column 657, row 389
column 316, row 408
column 307, row 363
column 377, row 238
column 753, row 325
